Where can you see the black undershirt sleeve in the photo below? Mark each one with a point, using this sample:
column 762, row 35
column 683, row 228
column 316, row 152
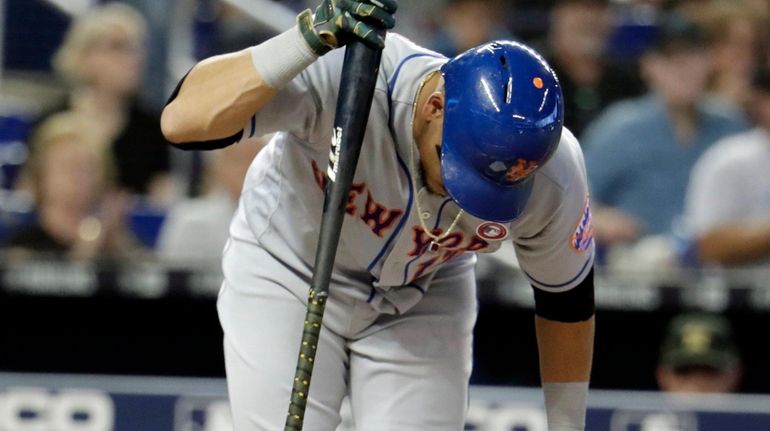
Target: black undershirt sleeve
column 574, row 305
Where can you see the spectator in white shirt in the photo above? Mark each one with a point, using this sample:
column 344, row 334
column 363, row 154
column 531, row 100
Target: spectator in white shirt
column 728, row 202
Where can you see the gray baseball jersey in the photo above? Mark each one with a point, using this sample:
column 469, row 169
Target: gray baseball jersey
column 384, row 265
column 283, row 198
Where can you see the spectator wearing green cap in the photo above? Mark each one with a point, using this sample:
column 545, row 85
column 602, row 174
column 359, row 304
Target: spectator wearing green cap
column 698, row 355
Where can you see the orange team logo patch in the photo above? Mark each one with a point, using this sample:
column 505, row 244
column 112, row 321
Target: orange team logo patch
column 583, row 236
column 520, row 169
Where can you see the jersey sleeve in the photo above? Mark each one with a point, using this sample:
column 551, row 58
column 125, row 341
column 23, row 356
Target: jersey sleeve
column 559, row 254
column 305, row 106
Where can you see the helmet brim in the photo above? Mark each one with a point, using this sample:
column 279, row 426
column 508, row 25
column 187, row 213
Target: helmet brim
column 478, row 195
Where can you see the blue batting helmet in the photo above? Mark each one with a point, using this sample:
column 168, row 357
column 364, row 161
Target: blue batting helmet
column 502, row 121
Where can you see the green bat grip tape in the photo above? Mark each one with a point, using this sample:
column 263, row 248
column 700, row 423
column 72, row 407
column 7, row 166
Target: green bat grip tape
column 307, row 351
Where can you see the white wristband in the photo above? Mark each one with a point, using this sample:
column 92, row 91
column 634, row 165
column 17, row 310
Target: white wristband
column 565, row 405
column 279, row 59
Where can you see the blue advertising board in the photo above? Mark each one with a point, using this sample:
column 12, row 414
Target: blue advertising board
column 119, row 403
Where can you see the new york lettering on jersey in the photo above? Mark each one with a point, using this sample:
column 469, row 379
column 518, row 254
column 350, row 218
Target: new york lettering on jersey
column 375, row 215
column 412, row 256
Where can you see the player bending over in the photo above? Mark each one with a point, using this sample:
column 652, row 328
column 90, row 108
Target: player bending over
column 459, row 156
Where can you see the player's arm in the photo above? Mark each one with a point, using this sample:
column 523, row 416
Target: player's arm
column 211, row 105
column 217, row 97
column 564, row 325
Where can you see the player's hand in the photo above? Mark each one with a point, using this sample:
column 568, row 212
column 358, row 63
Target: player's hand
column 336, row 22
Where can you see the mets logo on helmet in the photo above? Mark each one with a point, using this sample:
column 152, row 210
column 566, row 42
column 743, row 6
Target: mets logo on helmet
column 582, row 238
column 520, row 169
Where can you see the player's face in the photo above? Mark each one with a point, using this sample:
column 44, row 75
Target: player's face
column 429, row 124
column 430, row 156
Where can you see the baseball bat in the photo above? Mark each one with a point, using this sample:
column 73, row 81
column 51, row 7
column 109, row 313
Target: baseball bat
column 359, row 76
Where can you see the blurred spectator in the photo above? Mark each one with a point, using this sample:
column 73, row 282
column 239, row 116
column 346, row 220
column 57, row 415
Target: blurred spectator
column 418, row 20
column 738, row 33
column 698, row 354
column 102, row 58
column 69, row 176
column 577, row 40
column 639, row 152
column 469, row 23
column 195, row 231
column 634, row 25
column 728, row 201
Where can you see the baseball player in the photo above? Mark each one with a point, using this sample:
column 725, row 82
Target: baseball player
column 459, row 155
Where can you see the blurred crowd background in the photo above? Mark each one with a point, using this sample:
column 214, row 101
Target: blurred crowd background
column 111, row 238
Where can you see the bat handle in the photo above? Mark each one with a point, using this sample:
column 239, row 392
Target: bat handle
column 301, row 385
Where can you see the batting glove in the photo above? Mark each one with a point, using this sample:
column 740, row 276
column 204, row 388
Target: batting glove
column 335, row 22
